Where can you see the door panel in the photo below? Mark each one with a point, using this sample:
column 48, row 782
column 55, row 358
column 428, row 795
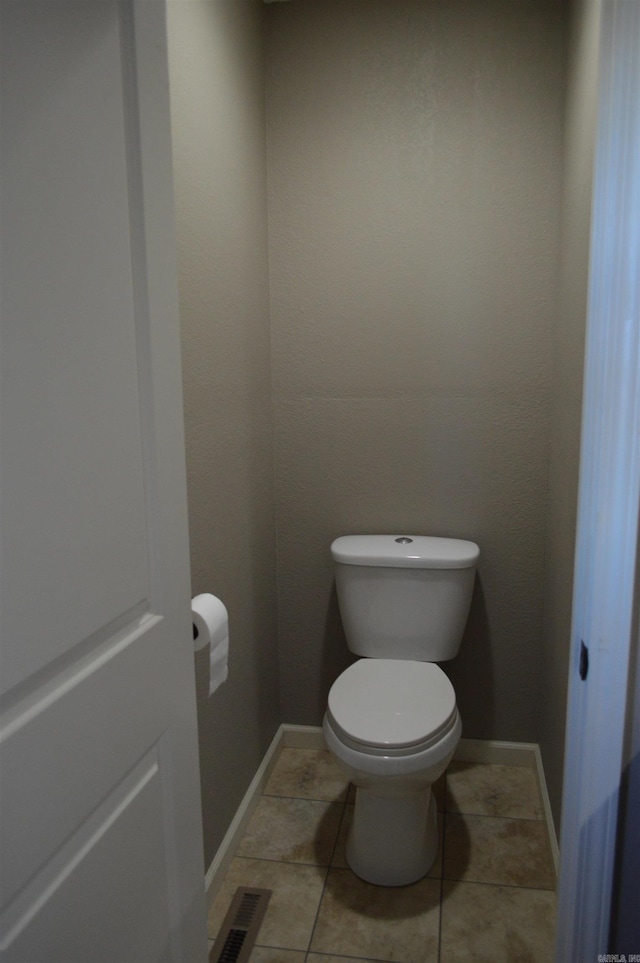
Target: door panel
column 73, row 455
column 77, row 730
column 100, row 828
column 75, row 884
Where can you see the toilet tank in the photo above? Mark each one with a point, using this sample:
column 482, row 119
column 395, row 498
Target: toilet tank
column 404, row 596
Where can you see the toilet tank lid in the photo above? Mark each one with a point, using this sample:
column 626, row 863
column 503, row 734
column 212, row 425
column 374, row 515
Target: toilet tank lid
column 405, row 551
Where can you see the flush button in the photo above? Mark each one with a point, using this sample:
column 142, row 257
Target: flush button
column 404, row 540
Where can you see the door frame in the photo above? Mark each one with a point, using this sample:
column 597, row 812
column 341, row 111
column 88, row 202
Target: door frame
column 605, row 591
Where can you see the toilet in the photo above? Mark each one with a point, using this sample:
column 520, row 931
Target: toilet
column 392, row 723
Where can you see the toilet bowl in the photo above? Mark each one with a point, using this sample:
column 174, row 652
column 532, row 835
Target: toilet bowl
column 392, row 727
column 392, row 723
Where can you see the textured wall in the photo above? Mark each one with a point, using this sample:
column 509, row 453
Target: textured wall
column 579, row 134
column 414, row 168
column 414, row 172
column 216, row 69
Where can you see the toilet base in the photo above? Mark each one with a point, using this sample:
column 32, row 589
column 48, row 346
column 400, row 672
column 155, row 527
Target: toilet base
column 393, row 841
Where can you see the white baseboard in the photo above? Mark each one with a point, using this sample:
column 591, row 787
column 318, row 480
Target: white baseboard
column 493, row 752
column 302, row 737
column 310, row 737
column 546, row 807
column 220, row 863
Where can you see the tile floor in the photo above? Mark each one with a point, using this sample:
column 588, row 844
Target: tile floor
column 489, row 896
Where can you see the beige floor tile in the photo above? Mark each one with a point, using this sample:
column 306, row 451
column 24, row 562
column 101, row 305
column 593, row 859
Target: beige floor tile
column 378, row 923
column 485, row 924
column 489, row 790
column 308, row 774
column 294, row 830
column 513, row 852
column 271, row 954
column 323, row 958
column 293, row 906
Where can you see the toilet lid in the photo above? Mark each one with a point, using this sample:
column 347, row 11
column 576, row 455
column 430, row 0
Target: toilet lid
column 391, row 703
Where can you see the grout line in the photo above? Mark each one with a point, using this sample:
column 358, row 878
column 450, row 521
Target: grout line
column 342, row 819
column 343, row 956
column 481, row 882
column 283, row 862
column 315, row 920
column 441, row 881
column 324, row 885
column 272, row 795
column 346, row 956
column 516, row 819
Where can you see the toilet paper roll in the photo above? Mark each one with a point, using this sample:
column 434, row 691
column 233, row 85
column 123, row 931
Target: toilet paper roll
column 218, row 664
column 211, row 627
column 210, row 620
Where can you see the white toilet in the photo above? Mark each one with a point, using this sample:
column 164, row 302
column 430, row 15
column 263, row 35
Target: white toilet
column 392, row 722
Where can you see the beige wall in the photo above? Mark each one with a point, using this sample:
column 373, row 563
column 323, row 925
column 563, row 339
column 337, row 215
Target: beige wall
column 579, row 134
column 414, row 155
column 216, row 69
column 420, row 382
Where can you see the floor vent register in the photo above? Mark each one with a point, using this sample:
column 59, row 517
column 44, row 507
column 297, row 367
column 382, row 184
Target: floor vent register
column 240, row 926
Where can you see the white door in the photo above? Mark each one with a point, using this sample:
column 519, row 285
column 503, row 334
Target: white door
column 100, row 831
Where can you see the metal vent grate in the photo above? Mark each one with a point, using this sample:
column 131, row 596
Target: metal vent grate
column 240, row 926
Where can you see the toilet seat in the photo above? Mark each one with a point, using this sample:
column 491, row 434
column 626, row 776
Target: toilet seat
column 389, row 707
